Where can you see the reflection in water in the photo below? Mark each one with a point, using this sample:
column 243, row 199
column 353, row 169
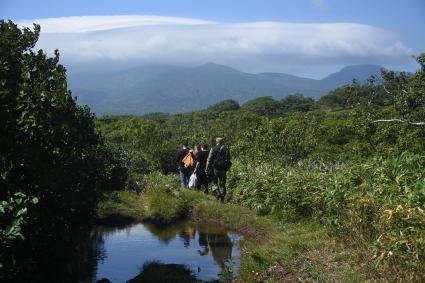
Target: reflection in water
column 187, row 234
column 137, row 251
column 204, row 250
column 210, row 238
column 65, row 259
column 219, row 245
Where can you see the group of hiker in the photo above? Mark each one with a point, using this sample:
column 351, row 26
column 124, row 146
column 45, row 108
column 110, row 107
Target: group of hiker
column 200, row 166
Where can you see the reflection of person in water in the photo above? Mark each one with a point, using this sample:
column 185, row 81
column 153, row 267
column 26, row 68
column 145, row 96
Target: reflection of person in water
column 203, row 242
column 187, row 234
column 219, row 244
column 221, row 248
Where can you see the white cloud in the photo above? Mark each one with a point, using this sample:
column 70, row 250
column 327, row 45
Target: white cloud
column 318, row 3
column 254, row 46
column 97, row 23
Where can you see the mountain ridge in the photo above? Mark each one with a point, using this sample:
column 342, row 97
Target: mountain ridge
column 173, row 89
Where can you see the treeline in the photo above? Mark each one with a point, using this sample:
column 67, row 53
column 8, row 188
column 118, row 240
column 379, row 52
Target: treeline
column 345, row 124
column 353, row 160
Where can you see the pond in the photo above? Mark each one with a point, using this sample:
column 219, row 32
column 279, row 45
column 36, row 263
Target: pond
column 142, row 252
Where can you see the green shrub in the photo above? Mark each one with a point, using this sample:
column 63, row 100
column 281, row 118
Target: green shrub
column 380, row 202
column 163, row 200
column 123, row 203
column 54, row 166
column 49, row 148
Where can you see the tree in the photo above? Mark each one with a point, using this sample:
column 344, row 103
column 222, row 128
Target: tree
column 53, row 164
column 404, row 92
column 263, row 105
column 297, row 103
column 225, row 105
column 336, row 99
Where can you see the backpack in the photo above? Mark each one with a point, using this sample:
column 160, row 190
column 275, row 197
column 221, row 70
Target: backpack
column 222, row 159
column 188, row 160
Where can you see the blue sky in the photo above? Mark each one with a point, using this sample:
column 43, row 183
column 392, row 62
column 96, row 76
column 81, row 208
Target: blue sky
column 401, row 24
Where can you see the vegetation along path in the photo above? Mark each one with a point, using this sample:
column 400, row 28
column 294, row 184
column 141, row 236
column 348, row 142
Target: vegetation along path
column 273, row 250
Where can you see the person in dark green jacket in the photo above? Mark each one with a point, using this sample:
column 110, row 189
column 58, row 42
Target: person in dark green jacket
column 219, row 162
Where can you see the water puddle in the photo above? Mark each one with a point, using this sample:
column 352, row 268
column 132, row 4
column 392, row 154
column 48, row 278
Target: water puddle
column 148, row 253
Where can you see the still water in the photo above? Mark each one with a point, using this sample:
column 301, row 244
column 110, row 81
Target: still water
column 137, row 250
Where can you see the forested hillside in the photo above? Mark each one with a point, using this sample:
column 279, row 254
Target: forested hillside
column 353, row 160
column 177, row 89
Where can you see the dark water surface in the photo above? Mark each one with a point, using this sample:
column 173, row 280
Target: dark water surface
column 201, row 251
column 183, row 252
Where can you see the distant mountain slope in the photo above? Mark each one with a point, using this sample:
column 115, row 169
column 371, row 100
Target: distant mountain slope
column 174, row 89
column 347, row 74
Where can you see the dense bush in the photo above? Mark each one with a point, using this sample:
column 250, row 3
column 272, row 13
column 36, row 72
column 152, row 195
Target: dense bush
column 286, row 140
column 380, row 201
column 145, row 145
column 53, row 164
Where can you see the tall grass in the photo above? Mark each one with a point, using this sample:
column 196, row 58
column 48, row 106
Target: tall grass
column 379, row 203
column 162, row 201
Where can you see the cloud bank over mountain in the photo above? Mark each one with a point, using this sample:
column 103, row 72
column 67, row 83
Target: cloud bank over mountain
column 250, row 46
